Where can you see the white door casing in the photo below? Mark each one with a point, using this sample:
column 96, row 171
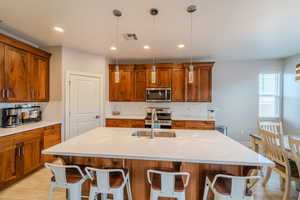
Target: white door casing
column 82, row 104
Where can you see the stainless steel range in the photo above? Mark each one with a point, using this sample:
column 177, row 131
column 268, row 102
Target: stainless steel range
column 163, row 117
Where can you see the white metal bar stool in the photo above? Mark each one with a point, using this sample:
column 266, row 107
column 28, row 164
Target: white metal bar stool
column 167, row 184
column 60, row 180
column 226, row 187
column 108, row 181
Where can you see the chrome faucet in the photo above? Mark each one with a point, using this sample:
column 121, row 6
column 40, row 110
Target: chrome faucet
column 153, row 119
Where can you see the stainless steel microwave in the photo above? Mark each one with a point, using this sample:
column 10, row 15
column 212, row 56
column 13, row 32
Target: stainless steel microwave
column 158, row 94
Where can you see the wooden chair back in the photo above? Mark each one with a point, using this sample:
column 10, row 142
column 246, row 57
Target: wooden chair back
column 272, row 148
column 272, row 126
column 295, row 147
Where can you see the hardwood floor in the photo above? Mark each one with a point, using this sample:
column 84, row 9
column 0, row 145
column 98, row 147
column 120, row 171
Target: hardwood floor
column 35, row 187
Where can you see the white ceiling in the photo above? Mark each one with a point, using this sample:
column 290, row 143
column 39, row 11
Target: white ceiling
column 223, row 29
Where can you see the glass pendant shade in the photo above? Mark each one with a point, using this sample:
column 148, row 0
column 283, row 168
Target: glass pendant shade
column 117, row 74
column 153, row 74
column 298, row 73
column 191, row 73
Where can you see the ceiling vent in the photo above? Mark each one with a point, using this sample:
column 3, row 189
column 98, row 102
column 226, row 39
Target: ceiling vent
column 130, row 36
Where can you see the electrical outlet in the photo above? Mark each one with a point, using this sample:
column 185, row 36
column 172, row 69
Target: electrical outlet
column 243, row 132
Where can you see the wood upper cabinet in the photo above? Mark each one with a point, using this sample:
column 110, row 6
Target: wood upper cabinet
column 139, row 83
column 24, row 72
column 38, row 76
column 2, row 87
column 178, row 84
column 8, row 168
column 122, row 90
column 16, row 64
column 200, row 90
column 163, row 76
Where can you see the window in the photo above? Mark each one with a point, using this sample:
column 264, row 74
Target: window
column 269, row 95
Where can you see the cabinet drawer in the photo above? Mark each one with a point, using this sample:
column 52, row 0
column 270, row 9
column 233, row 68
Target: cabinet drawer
column 125, row 123
column 203, row 125
column 135, row 123
column 178, row 124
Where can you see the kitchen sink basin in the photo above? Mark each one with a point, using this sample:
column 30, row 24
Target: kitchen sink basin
column 156, row 134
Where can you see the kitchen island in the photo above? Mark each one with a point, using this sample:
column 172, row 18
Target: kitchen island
column 196, row 151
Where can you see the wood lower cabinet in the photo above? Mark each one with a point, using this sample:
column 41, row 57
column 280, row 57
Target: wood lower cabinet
column 20, row 154
column 8, row 164
column 24, row 72
column 52, row 136
column 193, row 124
column 125, row 123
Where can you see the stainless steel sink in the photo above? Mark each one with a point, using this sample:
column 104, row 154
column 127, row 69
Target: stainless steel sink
column 156, row 134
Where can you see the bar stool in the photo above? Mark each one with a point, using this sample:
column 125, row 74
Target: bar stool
column 226, row 187
column 108, row 181
column 61, row 179
column 167, row 184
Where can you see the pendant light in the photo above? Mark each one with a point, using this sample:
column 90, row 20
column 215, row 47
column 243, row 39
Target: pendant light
column 153, row 12
column 117, row 14
column 298, row 73
column 191, row 9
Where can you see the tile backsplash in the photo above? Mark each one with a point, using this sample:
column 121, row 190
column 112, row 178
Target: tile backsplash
column 137, row 108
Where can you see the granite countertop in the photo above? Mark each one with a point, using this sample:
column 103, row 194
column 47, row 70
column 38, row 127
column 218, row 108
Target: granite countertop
column 26, row 127
column 196, row 146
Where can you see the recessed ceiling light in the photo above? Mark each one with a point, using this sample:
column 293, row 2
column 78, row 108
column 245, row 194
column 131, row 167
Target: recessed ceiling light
column 113, row 48
column 58, row 29
column 146, row 47
column 180, row 46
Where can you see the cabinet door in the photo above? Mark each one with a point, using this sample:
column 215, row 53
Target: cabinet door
column 137, row 123
column 31, row 147
column 164, row 77
column 139, row 84
column 178, row 85
column 15, row 67
column 122, row 90
column 200, row 89
column 52, row 136
column 8, row 160
column 38, row 75
column 121, row 123
column 2, row 87
column 178, row 124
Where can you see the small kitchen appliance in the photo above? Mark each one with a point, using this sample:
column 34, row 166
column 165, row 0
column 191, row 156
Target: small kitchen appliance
column 158, row 94
column 12, row 117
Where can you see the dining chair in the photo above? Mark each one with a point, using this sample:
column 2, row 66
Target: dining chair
column 273, row 127
column 109, row 181
column 61, row 179
column 167, row 184
column 228, row 187
column 283, row 166
column 295, row 147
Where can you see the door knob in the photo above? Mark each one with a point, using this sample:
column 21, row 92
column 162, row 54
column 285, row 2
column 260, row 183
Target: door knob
column 97, row 116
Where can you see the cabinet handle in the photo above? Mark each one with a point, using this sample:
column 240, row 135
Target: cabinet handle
column 19, row 151
column 7, row 93
column 22, row 150
column 3, row 93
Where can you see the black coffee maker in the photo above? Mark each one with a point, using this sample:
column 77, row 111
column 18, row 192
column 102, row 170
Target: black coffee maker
column 11, row 117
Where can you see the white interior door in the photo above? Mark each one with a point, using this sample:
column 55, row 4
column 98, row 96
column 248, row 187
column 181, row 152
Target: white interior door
column 84, row 104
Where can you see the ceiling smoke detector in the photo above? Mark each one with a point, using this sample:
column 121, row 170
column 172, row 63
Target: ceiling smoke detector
column 130, row 36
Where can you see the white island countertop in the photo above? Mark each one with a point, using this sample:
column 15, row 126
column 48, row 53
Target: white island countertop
column 196, row 146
